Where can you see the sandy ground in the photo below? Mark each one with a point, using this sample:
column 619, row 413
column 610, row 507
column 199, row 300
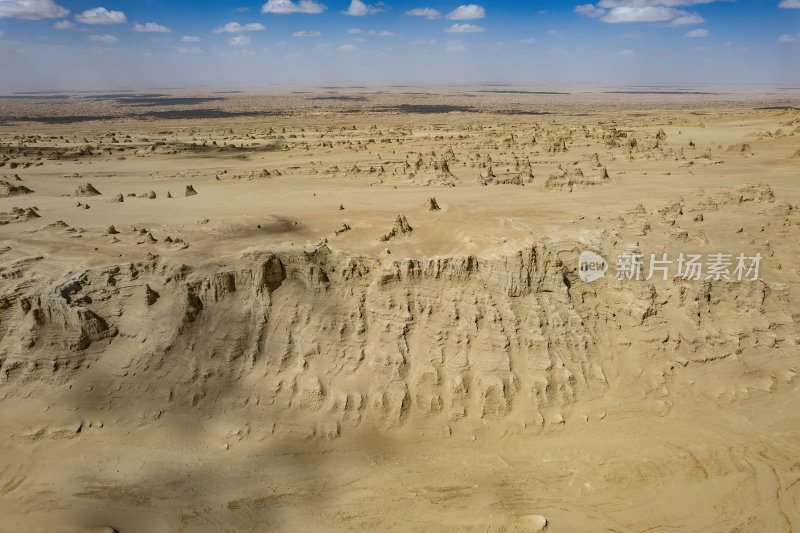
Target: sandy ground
column 305, row 345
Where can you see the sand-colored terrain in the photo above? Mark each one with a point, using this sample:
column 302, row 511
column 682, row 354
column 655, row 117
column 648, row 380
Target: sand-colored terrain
column 358, row 311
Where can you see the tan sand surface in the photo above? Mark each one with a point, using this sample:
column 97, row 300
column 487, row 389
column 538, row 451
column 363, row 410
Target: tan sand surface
column 305, row 345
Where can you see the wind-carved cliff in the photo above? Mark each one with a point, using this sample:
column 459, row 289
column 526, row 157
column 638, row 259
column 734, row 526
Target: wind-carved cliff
column 317, row 343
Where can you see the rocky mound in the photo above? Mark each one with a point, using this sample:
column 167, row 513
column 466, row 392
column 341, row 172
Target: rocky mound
column 437, row 172
column 86, row 189
column 18, row 214
column 520, row 173
column 740, row 149
column 562, row 181
column 401, row 228
column 9, row 189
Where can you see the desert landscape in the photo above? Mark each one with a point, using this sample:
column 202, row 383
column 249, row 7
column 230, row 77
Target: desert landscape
column 353, row 309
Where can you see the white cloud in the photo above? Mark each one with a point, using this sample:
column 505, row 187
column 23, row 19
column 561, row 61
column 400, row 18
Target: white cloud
column 455, row 47
column 420, row 42
column 529, row 40
column 426, row 12
column 686, row 20
column 31, row 9
column 189, row 51
column 646, row 3
column 620, row 11
column 235, row 27
column 239, row 40
column 382, row 33
column 101, row 15
column 190, row 39
column 347, row 48
column 359, row 9
column 790, row 4
column 464, row 28
column 64, row 25
column 641, row 14
column 286, row 7
column 305, row 33
column 787, row 38
column 626, row 53
column 151, row 27
column 104, row 38
column 699, row 32
column 590, row 11
column 467, row 12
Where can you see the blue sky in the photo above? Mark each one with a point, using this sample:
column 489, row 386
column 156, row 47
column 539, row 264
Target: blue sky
column 63, row 44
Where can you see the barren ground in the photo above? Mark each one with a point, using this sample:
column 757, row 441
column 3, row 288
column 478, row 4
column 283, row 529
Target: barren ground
column 283, row 351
